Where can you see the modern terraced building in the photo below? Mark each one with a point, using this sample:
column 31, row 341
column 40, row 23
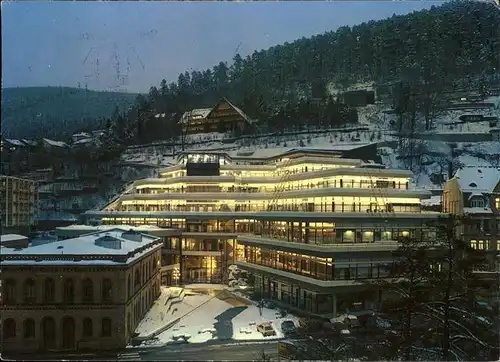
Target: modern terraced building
column 311, row 225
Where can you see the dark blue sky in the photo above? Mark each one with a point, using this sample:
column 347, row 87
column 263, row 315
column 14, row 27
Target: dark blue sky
column 63, row 43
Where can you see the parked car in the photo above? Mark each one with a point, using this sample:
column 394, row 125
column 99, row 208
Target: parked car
column 288, row 328
column 266, row 329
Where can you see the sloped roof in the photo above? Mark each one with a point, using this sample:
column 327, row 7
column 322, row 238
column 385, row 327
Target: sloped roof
column 84, row 134
column 203, row 112
column 478, row 179
column 83, row 141
column 239, row 111
column 55, row 143
column 15, row 142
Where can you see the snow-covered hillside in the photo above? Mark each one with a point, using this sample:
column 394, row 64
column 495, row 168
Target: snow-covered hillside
column 428, row 157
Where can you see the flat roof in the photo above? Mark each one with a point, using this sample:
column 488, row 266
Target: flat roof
column 11, row 237
column 83, row 250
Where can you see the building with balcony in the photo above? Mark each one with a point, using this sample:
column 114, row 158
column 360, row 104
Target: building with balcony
column 311, row 225
column 19, row 204
column 88, row 292
column 223, row 117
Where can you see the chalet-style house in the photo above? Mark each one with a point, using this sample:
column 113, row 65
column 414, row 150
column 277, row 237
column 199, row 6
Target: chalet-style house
column 223, row 117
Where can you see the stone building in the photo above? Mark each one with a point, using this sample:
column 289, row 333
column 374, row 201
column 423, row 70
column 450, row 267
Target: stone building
column 85, row 293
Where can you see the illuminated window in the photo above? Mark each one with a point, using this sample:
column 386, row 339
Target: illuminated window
column 473, row 244
column 497, row 203
column 483, row 244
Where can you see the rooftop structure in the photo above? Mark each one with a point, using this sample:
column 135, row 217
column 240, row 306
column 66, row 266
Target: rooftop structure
column 309, row 223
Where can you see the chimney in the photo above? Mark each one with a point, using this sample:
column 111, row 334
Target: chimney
column 132, row 235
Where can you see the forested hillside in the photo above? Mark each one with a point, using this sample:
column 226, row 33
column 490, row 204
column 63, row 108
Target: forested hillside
column 456, row 45
column 33, row 112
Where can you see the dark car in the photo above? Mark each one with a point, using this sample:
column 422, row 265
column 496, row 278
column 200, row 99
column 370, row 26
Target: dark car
column 288, row 328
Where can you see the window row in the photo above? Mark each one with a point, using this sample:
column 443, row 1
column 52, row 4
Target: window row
column 303, row 233
column 29, row 288
column 282, row 205
column 142, row 274
column 313, row 267
column 363, row 184
column 48, row 327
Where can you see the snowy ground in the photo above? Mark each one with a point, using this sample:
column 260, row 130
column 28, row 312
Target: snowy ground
column 158, row 316
column 227, row 319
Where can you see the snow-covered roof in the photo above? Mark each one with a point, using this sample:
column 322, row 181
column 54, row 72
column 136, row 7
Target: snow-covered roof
column 86, row 249
column 81, row 134
column 478, row 179
column 15, row 142
column 432, row 201
column 55, row 143
column 83, row 141
column 477, row 210
column 11, row 237
column 240, row 112
column 199, row 112
column 277, row 151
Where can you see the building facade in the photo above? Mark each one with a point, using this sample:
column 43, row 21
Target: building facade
column 19, row 204
column 311, row 225
column 474, row 192
column 84, row 293
column 223, row 117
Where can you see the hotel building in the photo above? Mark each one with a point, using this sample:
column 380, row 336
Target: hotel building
column 311, row 225
column 83, row 293
column 18, row 204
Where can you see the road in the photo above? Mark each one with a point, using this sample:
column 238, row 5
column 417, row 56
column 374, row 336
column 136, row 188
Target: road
column 242, row 352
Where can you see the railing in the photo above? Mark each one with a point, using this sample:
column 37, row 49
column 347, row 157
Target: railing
column 319, row 242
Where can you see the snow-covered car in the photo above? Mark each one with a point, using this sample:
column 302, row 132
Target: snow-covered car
column 266, row 329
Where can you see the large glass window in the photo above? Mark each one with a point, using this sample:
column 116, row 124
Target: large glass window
column 310, row 266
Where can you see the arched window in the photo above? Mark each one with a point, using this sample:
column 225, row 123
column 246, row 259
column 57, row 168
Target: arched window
column 106, row 327
column 9, row 328
column 49, row 290
column 129, row 285
column 137, row 279
column 69, row 291
column 29, row 291
column 29, row 328
column 88, row 291
column 10, row 291
column 87, row 327
column 107, row 290
column 129, row 323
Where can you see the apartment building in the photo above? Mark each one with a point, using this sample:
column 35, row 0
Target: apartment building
column 311, row 225
column 19, row 204
column 88, row 292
